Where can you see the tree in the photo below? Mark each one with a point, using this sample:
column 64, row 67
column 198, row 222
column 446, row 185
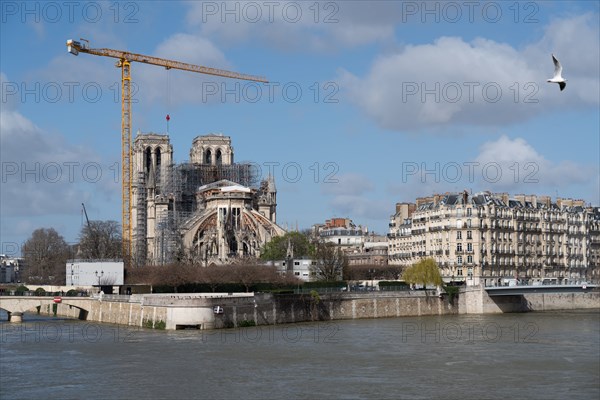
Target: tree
column 212, row 276
column 424, row 272
column 100, row 240
column 276, row 249
column 247, row 271
column 331, row 262
column 45, row 254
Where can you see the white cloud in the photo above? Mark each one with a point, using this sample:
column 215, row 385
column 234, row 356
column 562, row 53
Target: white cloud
column 180, row 87
column 290, row 25
column 351, row 196
column 501, row 165
column 42, row 174
column 521, row 166
column 347, row 184
column 151, row 84
column 359, row 207
column 481, row 82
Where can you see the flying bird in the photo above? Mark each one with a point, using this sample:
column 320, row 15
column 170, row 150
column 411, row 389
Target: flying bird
column 557, row 78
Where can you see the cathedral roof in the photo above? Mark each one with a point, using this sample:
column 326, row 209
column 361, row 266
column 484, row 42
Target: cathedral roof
column 225, row 185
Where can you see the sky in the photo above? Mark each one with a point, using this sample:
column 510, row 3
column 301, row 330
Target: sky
column 368, row 103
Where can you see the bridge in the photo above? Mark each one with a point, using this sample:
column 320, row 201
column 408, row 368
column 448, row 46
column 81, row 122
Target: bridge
column 529, row 289
column 158, row 311
column 15, row 306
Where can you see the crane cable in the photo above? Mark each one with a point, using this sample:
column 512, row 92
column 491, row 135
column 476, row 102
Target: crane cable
column 168, row 117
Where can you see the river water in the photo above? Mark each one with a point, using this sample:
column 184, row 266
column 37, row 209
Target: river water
column 552, row 355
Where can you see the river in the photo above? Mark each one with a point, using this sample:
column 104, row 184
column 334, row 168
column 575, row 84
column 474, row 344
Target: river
column 552, row 355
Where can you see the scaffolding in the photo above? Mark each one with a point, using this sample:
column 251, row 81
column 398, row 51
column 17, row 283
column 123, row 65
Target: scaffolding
column 139, row 237
column 175, row 199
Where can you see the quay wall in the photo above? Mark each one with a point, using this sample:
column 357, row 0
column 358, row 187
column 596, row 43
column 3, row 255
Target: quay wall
column 475, row 300
column 269, row 309
column 211, row 311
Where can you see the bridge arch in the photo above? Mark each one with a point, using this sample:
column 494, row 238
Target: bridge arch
column 16, row 306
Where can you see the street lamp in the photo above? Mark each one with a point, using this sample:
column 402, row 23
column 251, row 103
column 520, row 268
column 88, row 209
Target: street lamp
column 99, row 276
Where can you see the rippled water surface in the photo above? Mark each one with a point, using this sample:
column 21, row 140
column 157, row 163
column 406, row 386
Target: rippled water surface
column 533, row 356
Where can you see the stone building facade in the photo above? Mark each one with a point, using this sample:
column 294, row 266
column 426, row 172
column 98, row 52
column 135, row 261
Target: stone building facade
column 359, row 246
column 210, row 210
column 487, row 238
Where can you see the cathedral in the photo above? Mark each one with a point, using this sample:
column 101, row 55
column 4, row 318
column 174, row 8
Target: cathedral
column 209, row 210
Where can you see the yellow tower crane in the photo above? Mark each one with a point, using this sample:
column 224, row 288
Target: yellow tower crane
column 124, row 62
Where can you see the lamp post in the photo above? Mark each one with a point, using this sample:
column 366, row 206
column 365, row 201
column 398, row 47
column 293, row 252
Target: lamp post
column 99, row 276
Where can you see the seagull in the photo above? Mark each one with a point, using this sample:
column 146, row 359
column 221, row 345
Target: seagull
column 557, row 78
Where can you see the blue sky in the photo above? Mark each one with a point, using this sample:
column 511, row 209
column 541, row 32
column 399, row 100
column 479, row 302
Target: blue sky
column 372, row 102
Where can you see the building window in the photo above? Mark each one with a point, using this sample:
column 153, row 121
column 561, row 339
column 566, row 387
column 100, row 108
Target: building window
column 459, row 272
column 296, row 262
column 297, row 273
column 459, row 261
column 470, row 247
column 469, row 235
column 469, row 212
column 458, row 246
column 459, row 234
column 470, row 259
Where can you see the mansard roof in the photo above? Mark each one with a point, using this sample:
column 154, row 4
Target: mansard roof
column 482, row 199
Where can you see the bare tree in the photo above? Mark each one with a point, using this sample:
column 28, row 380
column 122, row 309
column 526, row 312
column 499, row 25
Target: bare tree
column 100, row 240
column 331, row 262
column 212, row 276
column 45, row 255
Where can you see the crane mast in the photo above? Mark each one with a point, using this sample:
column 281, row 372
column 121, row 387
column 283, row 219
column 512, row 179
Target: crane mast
column 124, row 62
column 86, row 216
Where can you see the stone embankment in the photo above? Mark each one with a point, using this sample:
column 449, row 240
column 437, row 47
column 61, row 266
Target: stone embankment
column 214, row 311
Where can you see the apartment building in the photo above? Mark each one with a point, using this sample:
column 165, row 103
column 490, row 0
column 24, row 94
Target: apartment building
column 488, row 238
column 359, row 246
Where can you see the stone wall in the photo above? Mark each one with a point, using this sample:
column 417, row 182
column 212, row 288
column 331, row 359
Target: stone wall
column 114, row 312
column 475, row 300
column 561, row 301
column 268, row 309
column 179, row 311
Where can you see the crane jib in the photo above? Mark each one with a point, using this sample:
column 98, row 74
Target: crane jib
column 133, row 57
